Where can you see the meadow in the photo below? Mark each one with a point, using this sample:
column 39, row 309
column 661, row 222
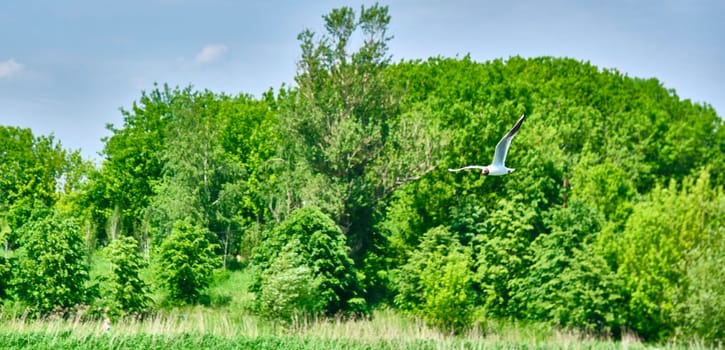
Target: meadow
column 226, row 323
column 202, row 327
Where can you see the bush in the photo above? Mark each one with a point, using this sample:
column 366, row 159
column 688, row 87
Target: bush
column 309, row 251
column 436, row 282
column 6, row 275
column 185, row 262
column 53, row 267
column 125, row 292
column 701, row 315
column 289, row 287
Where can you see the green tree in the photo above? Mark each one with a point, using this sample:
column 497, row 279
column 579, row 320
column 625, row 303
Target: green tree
column 193, row 164
column 313, row 244
column 654, row 248
column 125, row 292
column 501, row 247
column 343, row 125
column 250, row 139
column 565, row 270
column 31, row 169
column 119, row 193
column 701, row 315
column 185, row 261
column 289, row 288
column 591, row 295
column 437, row 282
column 53, row 269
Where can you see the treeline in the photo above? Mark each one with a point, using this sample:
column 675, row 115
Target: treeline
column 334, row 194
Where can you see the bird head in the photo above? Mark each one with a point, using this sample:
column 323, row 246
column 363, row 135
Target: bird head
column 511, row 170
column 484, row 171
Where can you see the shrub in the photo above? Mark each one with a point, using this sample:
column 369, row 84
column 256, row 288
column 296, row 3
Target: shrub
column 436, row 282
column 125, row 292
column 185, row 262
column 6, row 275
column 289, row 287
column 310, row 244
column 53, row 266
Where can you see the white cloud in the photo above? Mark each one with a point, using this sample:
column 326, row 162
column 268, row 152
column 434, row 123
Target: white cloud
column 9, row 68
column 210, row 53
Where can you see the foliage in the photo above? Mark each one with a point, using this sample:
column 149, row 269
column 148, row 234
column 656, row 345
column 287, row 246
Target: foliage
column 32, row 168
column 659, row 233
column 501, row 245
column 437, row 281
column 308, row 251
column 125, row 292
column 121, row 190
column 53, row 269
column 700, row 315
column 345, row 135
column 185, row 261
column 569, row 282
column 289, row 288
column 590, row 297
column 335, row 188
column 6, row 276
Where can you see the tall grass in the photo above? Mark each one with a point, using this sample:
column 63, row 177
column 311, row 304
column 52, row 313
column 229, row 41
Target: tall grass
column 203, row 327
column 225, row 323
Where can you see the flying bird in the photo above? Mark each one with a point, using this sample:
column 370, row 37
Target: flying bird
column 497, row 167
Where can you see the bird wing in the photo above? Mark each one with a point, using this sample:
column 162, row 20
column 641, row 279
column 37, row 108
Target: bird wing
column 502, row 148
column 479, row 167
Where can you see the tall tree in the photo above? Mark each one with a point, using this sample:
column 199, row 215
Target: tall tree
column 344, row 126
column 32, row 171
column 120, row 192
column 193, row 164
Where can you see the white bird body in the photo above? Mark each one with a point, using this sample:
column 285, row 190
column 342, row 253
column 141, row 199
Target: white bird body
column 497, row 166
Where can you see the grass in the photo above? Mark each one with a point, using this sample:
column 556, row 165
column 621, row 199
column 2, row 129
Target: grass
column 224, row 322
column 206, row 328
column 209, row 328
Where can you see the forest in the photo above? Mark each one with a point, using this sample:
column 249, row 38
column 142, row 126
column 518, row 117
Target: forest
column 333, row 196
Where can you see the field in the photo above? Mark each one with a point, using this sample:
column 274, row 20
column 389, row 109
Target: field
column 224, row 323
column 205, row 328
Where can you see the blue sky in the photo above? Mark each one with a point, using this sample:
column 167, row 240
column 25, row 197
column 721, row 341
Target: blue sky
column 66, row 67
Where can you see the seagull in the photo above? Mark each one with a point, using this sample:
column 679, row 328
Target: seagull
column 497, row 167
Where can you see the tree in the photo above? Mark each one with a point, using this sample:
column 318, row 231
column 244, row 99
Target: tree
column 120, row 191
column 309, row 243
column 658, row 238
column 552, row 255
column 501, row 245
column 437, row 282
column 250, row 139
column 701, row 315
column 53, row 267
column 125, row 292
column 289, row 287
column 193, row 165
column 185, row 261
column 31, row 169
column 344, row 127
